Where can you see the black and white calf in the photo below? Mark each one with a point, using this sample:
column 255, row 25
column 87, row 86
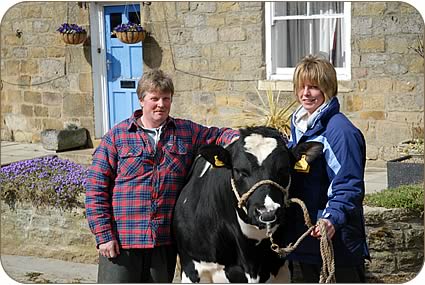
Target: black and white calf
column 234, row 197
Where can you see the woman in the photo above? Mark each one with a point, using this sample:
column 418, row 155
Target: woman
column 332, row 187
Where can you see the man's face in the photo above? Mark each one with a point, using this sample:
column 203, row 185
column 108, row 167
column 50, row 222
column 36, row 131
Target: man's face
column 156, row 108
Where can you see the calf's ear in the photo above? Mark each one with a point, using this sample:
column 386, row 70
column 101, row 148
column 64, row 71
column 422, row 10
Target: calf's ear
column 216, row 155
column 310, row 151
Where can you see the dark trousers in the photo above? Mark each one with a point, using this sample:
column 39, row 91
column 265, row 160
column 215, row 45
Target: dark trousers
column 310, row 273
column 154, row 265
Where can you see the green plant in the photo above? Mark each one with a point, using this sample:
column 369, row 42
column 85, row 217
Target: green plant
column 274, row 111
column 406, row 196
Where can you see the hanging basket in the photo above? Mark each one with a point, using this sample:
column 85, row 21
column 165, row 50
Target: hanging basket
column 74, row 38
column 131, row 37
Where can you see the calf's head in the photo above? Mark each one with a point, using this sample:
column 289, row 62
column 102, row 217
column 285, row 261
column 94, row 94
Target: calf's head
column 260, row 165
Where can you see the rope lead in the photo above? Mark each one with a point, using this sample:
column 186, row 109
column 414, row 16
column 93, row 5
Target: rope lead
column 327, row 274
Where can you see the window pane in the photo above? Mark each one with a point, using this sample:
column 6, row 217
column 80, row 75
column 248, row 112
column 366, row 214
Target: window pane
column 134, row 17
column 290, row 8
column 116, row 19
column 320, row 8
column 294, row 39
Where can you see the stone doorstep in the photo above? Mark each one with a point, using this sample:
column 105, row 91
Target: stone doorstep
column 80, row 156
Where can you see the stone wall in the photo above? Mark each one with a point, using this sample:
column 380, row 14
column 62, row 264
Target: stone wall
column 387, row 89
column 395, row 238
column 45, row 83
column 396, row 243
column 215, row 53
column 47, row 232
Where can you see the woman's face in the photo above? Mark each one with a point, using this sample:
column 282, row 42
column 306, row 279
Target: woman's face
column 310, row 97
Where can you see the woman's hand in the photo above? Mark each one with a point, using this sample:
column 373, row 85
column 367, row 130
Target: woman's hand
column 330, row 229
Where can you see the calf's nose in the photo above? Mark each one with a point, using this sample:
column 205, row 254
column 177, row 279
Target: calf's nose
column 266, row 216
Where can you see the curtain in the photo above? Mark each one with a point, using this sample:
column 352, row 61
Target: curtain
column 297, row 38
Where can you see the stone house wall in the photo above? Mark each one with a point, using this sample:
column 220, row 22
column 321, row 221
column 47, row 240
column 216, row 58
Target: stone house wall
column 45, row 83
column 395, row 238
column 215, row 52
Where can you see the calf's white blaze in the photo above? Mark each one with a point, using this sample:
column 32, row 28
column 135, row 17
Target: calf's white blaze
column 260, row 146
column 270, row 204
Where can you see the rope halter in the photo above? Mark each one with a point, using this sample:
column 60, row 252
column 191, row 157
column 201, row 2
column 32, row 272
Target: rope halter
column 242, row 199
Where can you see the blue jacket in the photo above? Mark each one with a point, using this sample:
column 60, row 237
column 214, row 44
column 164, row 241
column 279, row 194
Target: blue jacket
column 333, row 188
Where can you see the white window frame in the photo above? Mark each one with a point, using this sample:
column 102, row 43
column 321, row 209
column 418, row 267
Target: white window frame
column 343, row 73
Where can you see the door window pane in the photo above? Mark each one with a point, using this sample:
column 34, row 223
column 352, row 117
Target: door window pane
column 116, row 19
column 134, row 17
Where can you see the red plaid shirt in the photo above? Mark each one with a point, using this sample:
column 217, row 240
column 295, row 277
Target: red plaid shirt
column 132, row 188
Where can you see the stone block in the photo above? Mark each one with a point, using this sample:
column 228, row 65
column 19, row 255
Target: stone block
column 231, row 64
column 60, row 140
column 29, row 67
column 41, row 111
column 27, row 110
column 372, row 45
column 374, row 115
column 205, row 35
column 85, row 82
column 12, row 67
column 203, row 7
column 231, row 34
column 228, row 6
column 32, row 97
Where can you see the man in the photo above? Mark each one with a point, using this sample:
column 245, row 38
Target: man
column 136, row 175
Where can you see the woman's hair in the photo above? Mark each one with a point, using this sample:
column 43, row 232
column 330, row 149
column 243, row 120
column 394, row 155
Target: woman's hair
column 154, row 80
column 317, row 71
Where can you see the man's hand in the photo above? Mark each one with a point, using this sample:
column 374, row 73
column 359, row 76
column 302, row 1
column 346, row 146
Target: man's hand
column 330, row 229
column 109, row 249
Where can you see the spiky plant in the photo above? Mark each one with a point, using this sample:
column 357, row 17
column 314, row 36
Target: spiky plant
column 273, row 112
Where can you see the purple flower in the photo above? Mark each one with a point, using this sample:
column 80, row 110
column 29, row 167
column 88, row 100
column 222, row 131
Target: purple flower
column 43, row 181
column 70, row 29
column 129, row 27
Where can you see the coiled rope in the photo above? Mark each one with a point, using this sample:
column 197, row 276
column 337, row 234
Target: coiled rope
column 327, row 274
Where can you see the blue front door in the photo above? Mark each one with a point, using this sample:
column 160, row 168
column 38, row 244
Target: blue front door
column 124, row 63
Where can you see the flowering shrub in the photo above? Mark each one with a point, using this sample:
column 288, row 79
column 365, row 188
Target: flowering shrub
column 66, row 28
column 129, row 27
column 46, row 181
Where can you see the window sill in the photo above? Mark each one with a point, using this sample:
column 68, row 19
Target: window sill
column 287, row 86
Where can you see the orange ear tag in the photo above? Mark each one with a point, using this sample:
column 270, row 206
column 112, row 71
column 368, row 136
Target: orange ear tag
column 302, row 165
column 218, row 162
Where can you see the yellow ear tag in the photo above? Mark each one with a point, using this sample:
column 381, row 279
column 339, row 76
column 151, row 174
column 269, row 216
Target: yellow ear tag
column 218, row 162
column 302, row 165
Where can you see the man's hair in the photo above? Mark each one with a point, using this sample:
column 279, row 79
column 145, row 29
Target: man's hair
column 319, row 72
column 154, row 80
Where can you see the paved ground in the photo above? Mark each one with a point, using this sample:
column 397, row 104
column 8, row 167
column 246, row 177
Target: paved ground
column 12, row 151
column 27, row 269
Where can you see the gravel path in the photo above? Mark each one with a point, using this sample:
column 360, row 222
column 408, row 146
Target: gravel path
column 30, row 269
